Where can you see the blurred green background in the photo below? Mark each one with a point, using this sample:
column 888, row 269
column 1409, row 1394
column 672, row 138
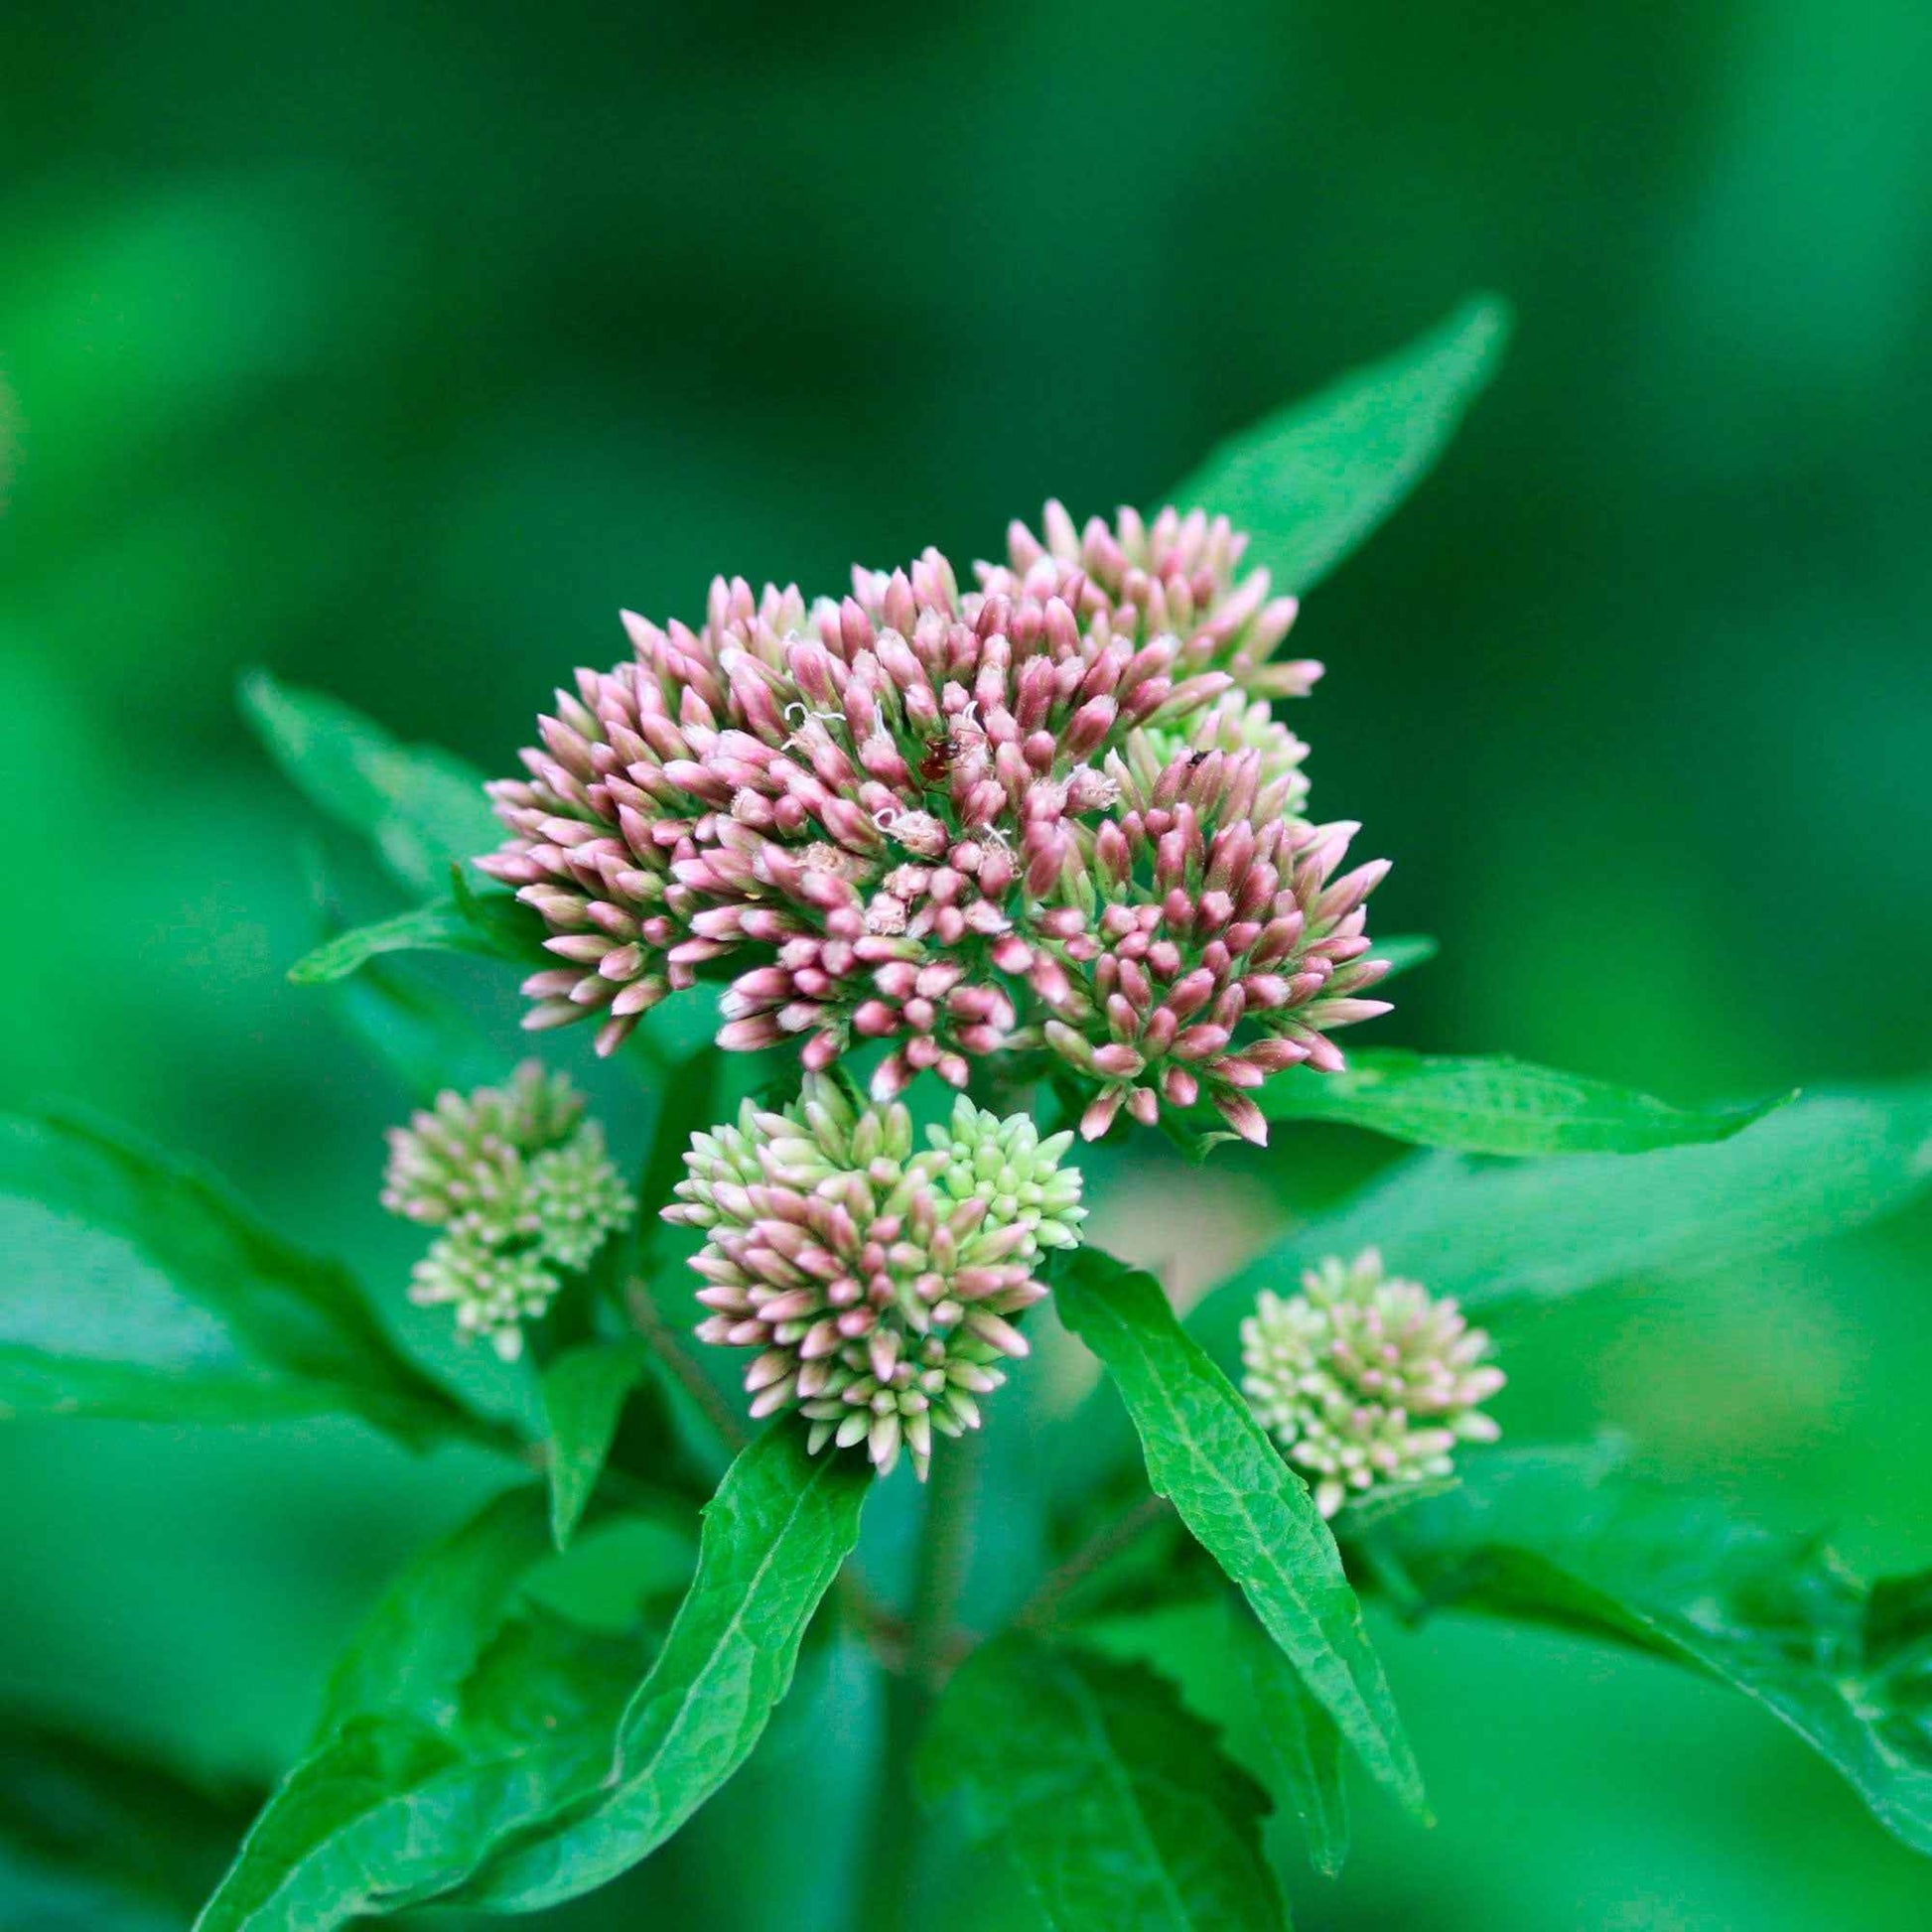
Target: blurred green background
column 395, row 347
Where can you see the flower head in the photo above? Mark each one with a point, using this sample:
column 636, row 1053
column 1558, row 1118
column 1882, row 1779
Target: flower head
column 893, row 817
column 874, row 1280
column 1366, row 1380
column 523, row 1186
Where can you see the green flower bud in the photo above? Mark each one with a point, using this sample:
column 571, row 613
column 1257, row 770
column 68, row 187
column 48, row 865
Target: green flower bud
column 875, row 1282
column 524, row 1188
column 1366, row 1380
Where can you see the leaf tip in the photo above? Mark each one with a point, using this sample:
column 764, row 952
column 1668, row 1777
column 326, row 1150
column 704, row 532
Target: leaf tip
column 1486, row 320
column 254, row 686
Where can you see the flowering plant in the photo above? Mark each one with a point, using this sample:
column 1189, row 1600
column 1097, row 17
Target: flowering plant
column 901, row 905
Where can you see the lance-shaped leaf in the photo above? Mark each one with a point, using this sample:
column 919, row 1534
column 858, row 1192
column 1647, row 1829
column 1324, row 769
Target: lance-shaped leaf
column 584, row 1391
column 459, row 1712
column 490, row 925
column 1496, row 1105
column 422, row 1036
column 1558, row 1537
column 1299, row 1739
column 395, row 1810
column 423, row 808
column 1114, row 1802
column 94, row 1837
column 775, row 1535
column 430, row 1626
column 425, row 1041
column 139, row 1288
column 1254, row 1515
column 1312, row 480
column 1405, row 952
column 1551, row 1228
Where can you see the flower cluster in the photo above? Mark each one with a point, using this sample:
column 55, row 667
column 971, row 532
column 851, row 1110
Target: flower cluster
column 1366, row 1379
column 876, row 1281
column 1049, row 812
column 521, row 1185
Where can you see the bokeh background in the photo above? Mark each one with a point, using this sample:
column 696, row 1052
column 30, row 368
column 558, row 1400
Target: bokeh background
column 395, row 346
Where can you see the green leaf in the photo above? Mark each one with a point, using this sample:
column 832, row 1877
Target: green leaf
column 584, row 1391
column 460, row 1711
column 1496, row 1106
column 394, row 1810
column 96, row 1839
column 425, row 1041
column 1544, row 1229
column 1558, row 1537
column 1232, row 1676
column 430, row 1627
column 1254, row 1515
column 1405, row 952
column 1300, row 1738
column 423, row 808
column 139, row 1288
column 775, row 1535
column 1114, row 1802
column 689, row 1100
column 491, row 925
column 1312, row 480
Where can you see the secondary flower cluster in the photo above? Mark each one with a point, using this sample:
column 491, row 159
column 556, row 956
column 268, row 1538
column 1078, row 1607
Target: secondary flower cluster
column 1366, row 1379
column 521, row 1185
column 876, row 1281
column 1051, row 812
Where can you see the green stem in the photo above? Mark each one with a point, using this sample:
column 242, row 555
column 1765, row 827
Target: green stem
column 668, row 1349
column 1100, row 1549
column 891, row 1850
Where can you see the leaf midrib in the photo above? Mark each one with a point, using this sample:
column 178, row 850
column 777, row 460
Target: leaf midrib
column 1108, row 1758
column 1201, row 1461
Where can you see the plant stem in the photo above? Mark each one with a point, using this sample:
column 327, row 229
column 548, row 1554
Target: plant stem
column 668, row 1348
column 1100, row 1548
column 892, row 1849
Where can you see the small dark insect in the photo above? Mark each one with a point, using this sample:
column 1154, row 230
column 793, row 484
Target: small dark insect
column 937, row 760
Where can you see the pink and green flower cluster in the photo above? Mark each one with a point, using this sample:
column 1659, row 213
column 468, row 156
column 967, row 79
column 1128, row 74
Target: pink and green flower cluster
column 524, row 1189
column 876, row 1281
column 1049, row 812
column 1368, row 1381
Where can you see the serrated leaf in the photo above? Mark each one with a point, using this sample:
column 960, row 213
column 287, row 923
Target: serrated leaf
column 1114, row 1802
column 490, row 925
column 1496, row 1105
column 459, row 1712
column 1231, row 1674
column 94, row 1838
column 1254, row 1515
column 421, row 807
column 1556, row 1537
column 584, row 1391
column 1300, row 1738
column 775, row 1535
column 1545, row 1229
column 138, row 1287
column 1312, row 480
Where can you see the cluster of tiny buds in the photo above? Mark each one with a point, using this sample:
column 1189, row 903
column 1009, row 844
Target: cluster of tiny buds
column 524, row 1190
column 1049, row 812
column 1366, row 1380
column 877, row 1282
